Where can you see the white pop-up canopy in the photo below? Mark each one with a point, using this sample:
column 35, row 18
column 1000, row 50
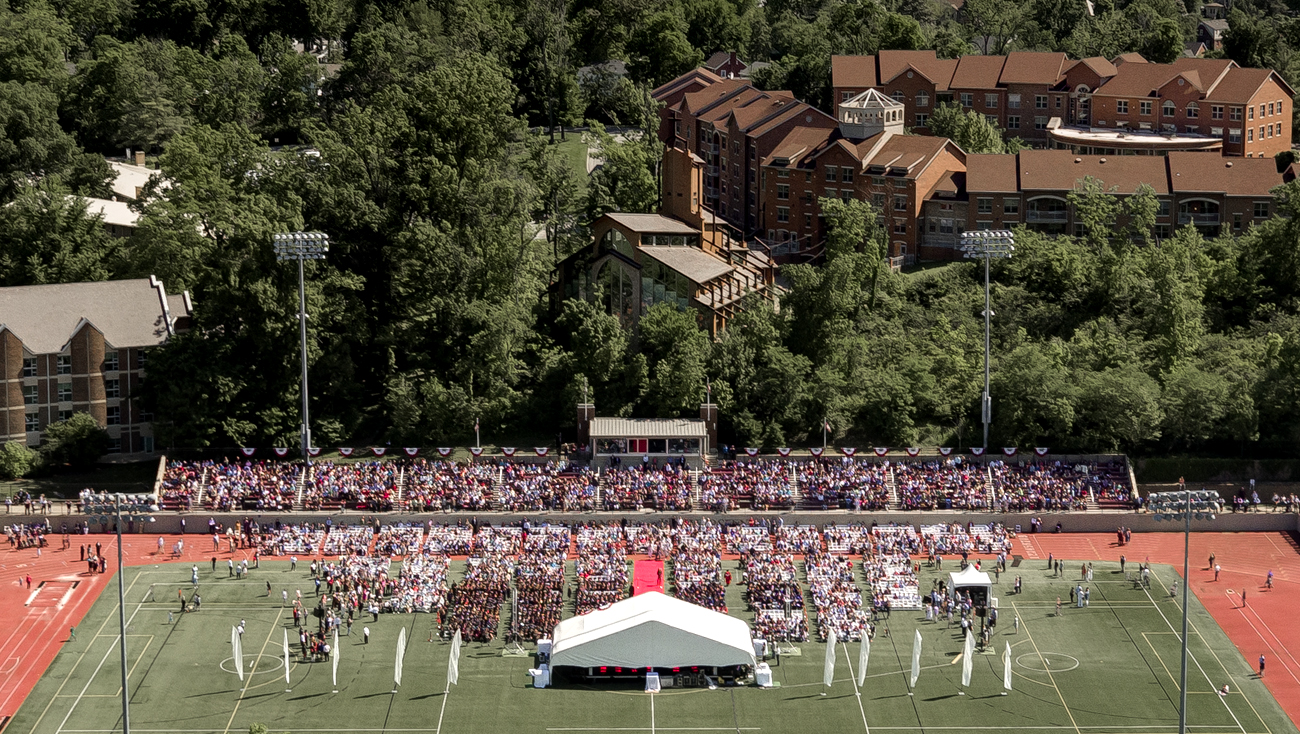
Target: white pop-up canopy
column 655, row 630
column 970, row 577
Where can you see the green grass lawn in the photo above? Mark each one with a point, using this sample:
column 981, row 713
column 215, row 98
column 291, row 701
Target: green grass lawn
column 575, row 151
column 1107, row 669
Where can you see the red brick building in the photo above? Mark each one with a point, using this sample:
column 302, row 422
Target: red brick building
column 83, row 347
column 1091, row 105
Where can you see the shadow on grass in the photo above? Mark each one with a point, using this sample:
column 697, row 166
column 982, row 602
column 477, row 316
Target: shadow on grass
column 310, row 695
column 427, row 695
column 941, row 698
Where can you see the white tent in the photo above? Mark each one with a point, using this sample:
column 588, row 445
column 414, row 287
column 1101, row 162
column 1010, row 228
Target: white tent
column 971, row 578
column 655, row 630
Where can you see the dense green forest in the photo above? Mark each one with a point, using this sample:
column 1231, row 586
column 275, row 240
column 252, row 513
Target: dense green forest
column 446, row 214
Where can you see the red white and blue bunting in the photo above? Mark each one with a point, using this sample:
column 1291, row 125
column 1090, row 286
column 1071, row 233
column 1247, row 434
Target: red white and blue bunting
column 313, row 452
column 345, row 451
column 945, row 450
column 444, row 451
column 378, row 450
column 248, row 452
column 1009, row 450
column 783, row 451
column 816, row 451
column 913, row 450
column 848, row 450
column 977, row 450
column 508, row 450
column 411, row 451
column 281, row 452
column 476, row 450
column 542, row 450
column 882, row 450
column 751, row 451
column 1041, row 450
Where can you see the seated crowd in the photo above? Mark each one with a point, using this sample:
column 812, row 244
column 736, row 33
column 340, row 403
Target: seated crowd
column 1039, row 485
column 364, row 485
column 290, row 540
column 539, row 584
column 181, row 483
column 948, row 484
column 761, row 485
column 474, row 604
column 601, row 566
column 400, row 539
column 697, row 565
column 959, row 538
column 836, row 597
column 345, row 540
column 647, row 485
column 451, row 540
column 774, row 595
column 846, row 483
column 448, row 485
column 262, row 485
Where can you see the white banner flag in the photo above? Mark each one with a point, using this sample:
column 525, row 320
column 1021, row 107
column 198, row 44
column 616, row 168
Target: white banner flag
column 453, row 663
column 286, row 658
column 237, row 649
column 828, row 674
column 967, row 659
column 335, row 662
column 864, row 653
column 1006, row 667
column 401, row 653
column 916, row 658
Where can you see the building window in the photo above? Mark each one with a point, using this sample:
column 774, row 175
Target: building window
column 899, row 97
column 1040, row 123
column 1121, row 106
column 846, row 174
column 65, row 392
column 29, row 395
column 984, row 206
column 783, row 173
column 1168, row 109
column 783, row 214
column 1216, row 112
column 1250, row 135
column 900, row 203
column 32, row 422
column 922, row 119
column 1234, row 135
column 115, row 446
column 65, row 415
column 1270, row 108
column 1013, row 101
column 945, row 226
column 878, row 201
column 1192, row 129
column 112, row 388
column 830, row 173
column 877, row 180
column 922, row 99
column 900, row 226
column 1011, row 206
column 1057, row 101
column 110, row 361
column 991, row 101
column 29, row 366
column 993, row 119
column 1216, row 132
column 846, row 96
column 783, row 191
column 1261, row 210
column 1234, row 113
column 1250, row 112
column 1163, row 211
column 114, row 415
column 63, row 364
column 1163, row 231
column 1261, row 111
column 967, row 99
column 1193, row 111
column 1144, row 107
column 1013, row 122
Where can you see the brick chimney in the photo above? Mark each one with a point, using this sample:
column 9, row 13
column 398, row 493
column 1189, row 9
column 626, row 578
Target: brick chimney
column 139, row 157
column 586, row 413
column 709, row 414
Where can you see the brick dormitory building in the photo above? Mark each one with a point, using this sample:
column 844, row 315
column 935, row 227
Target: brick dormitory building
column 83, row 347
column 763, row 158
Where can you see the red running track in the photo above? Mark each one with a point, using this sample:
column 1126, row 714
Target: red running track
column 647, row 576
column 1258, row 628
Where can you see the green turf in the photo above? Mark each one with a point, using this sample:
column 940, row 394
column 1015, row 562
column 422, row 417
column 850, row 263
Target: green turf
column 1125, row 679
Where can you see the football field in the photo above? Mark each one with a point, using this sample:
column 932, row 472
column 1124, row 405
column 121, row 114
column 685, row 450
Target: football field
column 1110, row 668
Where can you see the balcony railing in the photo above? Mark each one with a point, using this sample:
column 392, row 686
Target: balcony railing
column 1199, row 220
column 1048, row 216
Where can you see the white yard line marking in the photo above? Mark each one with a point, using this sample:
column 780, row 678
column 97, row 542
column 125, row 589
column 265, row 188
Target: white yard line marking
column 1048, row 670
column 274, row 625
column 853, row 681
column 652, row 713
column 1190, row 656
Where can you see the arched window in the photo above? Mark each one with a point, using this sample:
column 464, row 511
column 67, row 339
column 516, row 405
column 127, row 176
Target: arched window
column 1193, row 110
column 899, row 96
column 1168, row 109
column 615, row 241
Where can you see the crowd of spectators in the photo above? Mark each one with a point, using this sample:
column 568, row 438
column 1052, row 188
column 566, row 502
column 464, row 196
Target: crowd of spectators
column 845, row 483
column 448, row 485
column 181, row 483
column 290, row 540
column 799, row 539
column 836, row 597
column 451, row 540
column 422, row 584
column 889, row 569
column 474, row 604
column 655, row 541
column 744, row 539
column 539, row 584
column 504, row 539
column 697, row 565
column 363, row 485
column 343, row 540
column 852, row 540
column 948, row 484
column 269, row 486
column 400, row 539
column 357, row 584
column 1040, row 485
column 964, row 538
column 762, row 485
column 646, row 485
column 601, row 567
column 774, row 595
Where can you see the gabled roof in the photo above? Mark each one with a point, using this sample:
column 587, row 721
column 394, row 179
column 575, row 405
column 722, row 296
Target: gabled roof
column 854, row 71
column 697, row 265
column 130, row 313
column 1240, row 85
column 1197, row 172
column 128, row 178
column 991, row 172
column 652, row 223
column 117, row 213
column 1132, row 57
column 1033, row 67
column 936, row 70
column 1061, row 170
column 977, row 72
column 717, row 59
column 1138, row 80
column 1216, row 24
column 1099, row 66
column 796, row 144
column 697, row 78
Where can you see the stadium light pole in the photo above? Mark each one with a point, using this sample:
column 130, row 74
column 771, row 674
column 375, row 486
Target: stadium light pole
column 987, row 245
column 302, row 246
column 1174, row 506
column 102, row 508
